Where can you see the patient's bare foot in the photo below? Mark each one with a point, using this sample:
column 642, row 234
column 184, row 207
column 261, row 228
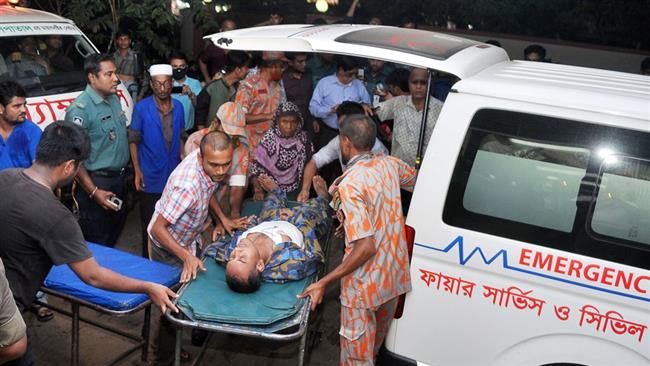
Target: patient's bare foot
column 320, row 186
column 267, row 183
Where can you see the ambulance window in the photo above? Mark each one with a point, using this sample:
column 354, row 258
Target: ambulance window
column 531, row 182
column 574, row 186
column 45, row 64
column 622, row 207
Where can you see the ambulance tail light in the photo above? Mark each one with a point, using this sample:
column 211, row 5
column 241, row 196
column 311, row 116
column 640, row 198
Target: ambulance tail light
column 410, row 240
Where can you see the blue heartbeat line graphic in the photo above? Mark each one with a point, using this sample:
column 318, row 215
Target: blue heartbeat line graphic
column 461, row 252
column 503, row 254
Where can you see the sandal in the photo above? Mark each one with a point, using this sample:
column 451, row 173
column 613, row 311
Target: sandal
column 43, row 314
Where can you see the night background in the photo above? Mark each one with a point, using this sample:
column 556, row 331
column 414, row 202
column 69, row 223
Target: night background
column 615, row 23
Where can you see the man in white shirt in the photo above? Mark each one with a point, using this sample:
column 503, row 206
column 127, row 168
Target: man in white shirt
column 332, row 150
column 406, row 113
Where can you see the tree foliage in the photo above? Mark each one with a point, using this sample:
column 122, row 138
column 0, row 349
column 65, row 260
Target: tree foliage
column 609, row 22
column 149, row 21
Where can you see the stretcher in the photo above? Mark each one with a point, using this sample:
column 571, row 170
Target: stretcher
column 62, row 282
column 273, row 312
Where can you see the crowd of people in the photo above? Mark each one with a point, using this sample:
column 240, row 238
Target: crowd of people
column 266, row 126
column 262, row 131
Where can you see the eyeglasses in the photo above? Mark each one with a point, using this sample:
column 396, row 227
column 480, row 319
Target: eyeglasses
column 419, row 81
column 164, row 84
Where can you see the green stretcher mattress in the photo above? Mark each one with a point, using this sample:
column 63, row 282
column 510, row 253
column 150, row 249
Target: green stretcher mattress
column 209, row 299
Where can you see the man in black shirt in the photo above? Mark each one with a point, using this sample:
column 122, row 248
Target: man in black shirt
column 37, row 231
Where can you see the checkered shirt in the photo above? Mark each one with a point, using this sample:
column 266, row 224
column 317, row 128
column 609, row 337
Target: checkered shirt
column 185, row 202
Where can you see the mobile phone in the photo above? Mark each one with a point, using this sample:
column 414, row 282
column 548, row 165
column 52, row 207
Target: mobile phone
column 177, row 90
column 361, row 74
column 115, row 201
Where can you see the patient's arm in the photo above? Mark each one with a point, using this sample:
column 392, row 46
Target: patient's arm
column 290, row 263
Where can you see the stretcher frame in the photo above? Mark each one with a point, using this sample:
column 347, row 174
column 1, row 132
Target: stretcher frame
column 142, row 340
column 273, row 331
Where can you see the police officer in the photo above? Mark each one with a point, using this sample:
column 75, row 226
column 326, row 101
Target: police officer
column 99, row 112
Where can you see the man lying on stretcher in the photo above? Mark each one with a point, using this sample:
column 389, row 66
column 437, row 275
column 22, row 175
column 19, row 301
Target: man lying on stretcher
column 282, row 243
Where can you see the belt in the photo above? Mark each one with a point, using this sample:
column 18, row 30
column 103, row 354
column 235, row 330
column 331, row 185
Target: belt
column 107, row 172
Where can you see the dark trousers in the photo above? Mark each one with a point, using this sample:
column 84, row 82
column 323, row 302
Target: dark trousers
column 97, row 224
column 406, row 201
column 167, row 331
column 147, row 208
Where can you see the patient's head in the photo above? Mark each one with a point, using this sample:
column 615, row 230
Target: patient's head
column 244, row 270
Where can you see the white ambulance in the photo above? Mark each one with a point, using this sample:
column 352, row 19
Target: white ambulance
column 530, row 219
column 45, row 53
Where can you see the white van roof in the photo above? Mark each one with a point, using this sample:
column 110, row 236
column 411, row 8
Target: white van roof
column 17, row 14
column 454, row 55
column 609, row 92
column 483, row 69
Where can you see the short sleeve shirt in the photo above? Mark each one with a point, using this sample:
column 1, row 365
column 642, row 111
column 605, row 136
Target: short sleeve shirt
column 185, row 202
column 208, row 101
column 157, row 160
column 332, row 151
column 188, row 107
column 127, row 65
column 256, row 96
column 19, row 151
column 220, row 93
column 105, row 122
column 37, row 231
column 370, row 201
column 406, row 125
column 12, row 325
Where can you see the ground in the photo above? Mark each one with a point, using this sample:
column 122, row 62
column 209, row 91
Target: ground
column 51, row 340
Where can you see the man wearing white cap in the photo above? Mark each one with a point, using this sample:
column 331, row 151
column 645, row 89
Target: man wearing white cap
column 155, row 142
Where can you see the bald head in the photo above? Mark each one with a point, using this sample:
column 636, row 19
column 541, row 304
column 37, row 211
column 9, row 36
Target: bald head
column 217, row 141
column 360, row 130
column 418, row 83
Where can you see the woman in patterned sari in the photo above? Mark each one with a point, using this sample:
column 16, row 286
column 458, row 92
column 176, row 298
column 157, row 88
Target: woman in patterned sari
column 283, row 152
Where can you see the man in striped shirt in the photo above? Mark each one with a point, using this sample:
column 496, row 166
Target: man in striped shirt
column 181, row 213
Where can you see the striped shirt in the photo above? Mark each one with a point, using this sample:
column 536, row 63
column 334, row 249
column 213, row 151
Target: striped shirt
column 185, row 203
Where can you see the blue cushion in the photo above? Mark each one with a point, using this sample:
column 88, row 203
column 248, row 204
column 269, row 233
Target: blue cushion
column 63, row 279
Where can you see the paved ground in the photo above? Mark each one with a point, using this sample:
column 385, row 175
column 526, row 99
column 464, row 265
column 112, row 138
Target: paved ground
column 51, row 340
